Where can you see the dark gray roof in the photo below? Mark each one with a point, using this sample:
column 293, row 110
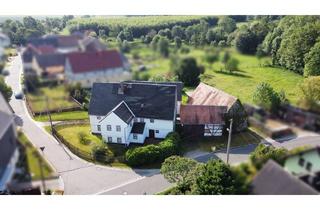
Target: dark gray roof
column 272, row 179
column 50, row 40
column 6, row 115
column 48, row 60
column 138, row 127
column 144, row 100
column 179, row 86
column 124, row 113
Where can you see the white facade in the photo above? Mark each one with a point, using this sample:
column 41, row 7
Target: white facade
column 114, row 130
column 100, row 75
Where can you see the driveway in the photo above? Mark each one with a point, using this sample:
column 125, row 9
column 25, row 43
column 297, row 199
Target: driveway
column 79, row 176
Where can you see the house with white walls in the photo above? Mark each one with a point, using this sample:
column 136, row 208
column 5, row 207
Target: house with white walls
column 87, row 68
column 129, row 112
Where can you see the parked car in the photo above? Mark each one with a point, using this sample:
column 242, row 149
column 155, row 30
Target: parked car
column 18, row 95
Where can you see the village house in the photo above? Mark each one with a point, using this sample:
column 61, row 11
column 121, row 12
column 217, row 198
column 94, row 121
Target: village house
column 49, row 66
column 202, row 120
column 209, row 96
column 87, row 68
column 305, row 162
column 130, row 112
column 8, row 144
column 91, row 44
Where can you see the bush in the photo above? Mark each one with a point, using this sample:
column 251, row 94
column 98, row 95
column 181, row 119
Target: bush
column 154, row 153
column 83, row 138
column 100, row 154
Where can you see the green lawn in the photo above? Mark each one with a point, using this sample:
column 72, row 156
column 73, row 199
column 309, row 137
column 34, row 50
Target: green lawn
column 58, row 98
column 70, row 134
column 241, row 84
column 208, row 144
column 63, row 116
column 32, row 160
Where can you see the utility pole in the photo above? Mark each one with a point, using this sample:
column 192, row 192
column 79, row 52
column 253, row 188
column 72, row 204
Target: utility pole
column 41, row 169
column 229, row 139
column 49, row 114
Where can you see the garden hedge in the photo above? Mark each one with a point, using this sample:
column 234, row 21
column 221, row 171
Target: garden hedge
column 154, row 153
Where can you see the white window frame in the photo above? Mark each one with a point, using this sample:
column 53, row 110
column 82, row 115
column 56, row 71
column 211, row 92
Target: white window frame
column 135, row 136
column 118, row 128
column 98, row 127
column 151, row 120
column 109, row 126
column 157, row 131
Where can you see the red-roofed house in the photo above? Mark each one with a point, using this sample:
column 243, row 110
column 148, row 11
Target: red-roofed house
column 87, row 68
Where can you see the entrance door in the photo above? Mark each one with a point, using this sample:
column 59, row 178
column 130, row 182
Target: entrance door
column 151, row 133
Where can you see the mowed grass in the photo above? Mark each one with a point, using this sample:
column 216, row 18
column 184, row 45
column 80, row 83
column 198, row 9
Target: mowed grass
column 70, row 133
column 58, row 98
column 241, row 84
column 63, row 116
column 32, row 160
column 209, row 144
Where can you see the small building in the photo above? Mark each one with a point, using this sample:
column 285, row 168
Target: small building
column 305, row 162
column 8, row 144
column 272, row 179
column 87, row 68
column 210, row 96
column 130, row 112
column 202, row 120
column 49, row 66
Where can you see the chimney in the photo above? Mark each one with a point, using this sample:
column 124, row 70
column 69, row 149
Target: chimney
column 122, row 88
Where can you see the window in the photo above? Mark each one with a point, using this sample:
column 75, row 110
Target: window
column 309, row 166
column 98, row 117
column 135, row 136
column 141, row 120
column 108, row 127
column 109, row 139
column 135, row 120
column 119, row 140
column 151, row 120
column 301, row 161
column 157, row 131
column 118, row 128
column 99, row 127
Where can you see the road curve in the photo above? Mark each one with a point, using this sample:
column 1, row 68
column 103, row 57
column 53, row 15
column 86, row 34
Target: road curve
column 79, row 176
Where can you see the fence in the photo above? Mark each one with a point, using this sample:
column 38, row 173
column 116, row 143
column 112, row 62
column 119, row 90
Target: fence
column 98, row 156
column 76, row 107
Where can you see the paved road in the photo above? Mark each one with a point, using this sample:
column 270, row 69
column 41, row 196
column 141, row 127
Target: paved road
column 79, row 176
column 241, row 154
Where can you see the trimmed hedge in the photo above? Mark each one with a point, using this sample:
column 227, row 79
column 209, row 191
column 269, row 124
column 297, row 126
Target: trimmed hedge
column 154, row 153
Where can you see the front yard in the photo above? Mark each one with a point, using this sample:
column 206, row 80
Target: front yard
column 209, row 144
column 29, row 160
column 71, row 134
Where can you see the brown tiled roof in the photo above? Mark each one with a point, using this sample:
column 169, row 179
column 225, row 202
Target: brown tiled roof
column 202, row 114
column 93, row 61
column 207, row 95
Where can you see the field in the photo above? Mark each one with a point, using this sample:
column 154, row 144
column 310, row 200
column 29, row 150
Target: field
column 62, row 116
column 240, row 84
column 32, row 157
column 57, row 96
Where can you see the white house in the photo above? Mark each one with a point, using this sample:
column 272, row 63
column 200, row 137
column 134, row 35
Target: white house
column 87, row 68
column 129, row 112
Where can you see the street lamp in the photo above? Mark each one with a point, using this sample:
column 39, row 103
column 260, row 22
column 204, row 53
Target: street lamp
column 229, row 139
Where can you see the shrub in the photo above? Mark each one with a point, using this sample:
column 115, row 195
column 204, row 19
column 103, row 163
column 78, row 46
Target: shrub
column 83, row 138
column 100, row 154
column 154, row 153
